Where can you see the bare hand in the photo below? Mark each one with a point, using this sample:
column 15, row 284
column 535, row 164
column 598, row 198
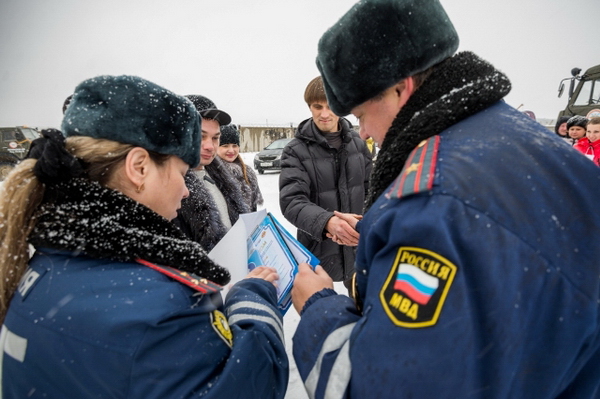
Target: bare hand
column 350, row 218
column 266, row 273
column 341, row 228
column 307, row 282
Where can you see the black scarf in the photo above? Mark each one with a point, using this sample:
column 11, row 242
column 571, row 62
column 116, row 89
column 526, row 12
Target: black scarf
column 459, row 87
column 82, row 216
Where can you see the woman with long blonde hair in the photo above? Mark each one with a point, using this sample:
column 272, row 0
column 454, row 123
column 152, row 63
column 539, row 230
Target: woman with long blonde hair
column 229, row 151
column 116, row 301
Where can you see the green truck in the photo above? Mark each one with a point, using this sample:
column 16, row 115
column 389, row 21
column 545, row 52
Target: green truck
column 14, row 145
column 584, row 93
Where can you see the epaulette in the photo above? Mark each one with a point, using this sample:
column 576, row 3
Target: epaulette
column 419, row 170
column 191, row 280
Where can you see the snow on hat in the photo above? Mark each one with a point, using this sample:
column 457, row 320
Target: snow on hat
column 229, row 135
column 377, row 43
column 577, row 120
column 132, row 110
column 208, row 109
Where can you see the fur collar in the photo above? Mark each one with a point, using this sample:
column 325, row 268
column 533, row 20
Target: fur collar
column 459, row 87
column 250, row 189
column 82, row 216
column 199, row 214
column 225, row 181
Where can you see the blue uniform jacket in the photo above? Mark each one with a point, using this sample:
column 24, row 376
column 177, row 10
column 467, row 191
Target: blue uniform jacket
column 478, row 272
column 77, row 329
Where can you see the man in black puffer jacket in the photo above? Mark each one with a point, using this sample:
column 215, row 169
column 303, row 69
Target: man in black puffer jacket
column 324, row 169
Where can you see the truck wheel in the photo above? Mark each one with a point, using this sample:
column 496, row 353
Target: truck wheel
column 5, row 169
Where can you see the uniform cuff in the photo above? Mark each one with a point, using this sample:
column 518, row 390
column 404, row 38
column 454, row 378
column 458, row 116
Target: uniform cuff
column 325, row 292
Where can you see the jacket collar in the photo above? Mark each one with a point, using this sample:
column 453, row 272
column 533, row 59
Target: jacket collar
column 459, row 87
column 83, row 217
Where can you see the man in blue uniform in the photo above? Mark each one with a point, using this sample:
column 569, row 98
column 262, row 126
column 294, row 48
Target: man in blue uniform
column 477, row 268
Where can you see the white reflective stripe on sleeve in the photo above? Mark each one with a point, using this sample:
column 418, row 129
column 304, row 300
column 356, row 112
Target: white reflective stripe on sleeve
column 334, row 341
column 340, row 376
column 12, row 344
column 265, row 319
column 254, row 305
column 276, row 322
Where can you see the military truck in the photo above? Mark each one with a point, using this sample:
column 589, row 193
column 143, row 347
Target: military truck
column 584, row 93
column 14, row 145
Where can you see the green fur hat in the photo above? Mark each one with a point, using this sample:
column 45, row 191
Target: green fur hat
column 377, row 43
column 131, row 110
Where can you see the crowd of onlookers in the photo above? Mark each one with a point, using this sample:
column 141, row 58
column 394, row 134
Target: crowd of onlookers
column 582, row 133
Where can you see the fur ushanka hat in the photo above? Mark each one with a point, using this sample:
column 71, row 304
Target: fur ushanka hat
column 377, row 43
column 131, row 110
column 577, row 120
column 229, row 135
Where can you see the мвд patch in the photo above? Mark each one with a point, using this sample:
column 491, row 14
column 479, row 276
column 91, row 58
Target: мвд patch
column 414, row 293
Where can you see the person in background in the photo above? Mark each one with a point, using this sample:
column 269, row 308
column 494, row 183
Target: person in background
column 472, row 280
column 590, row 144
column 561, row 128
column 229, row 151
column 116, row 301
column 325, row 168
column 215, row 201
column 576, row 126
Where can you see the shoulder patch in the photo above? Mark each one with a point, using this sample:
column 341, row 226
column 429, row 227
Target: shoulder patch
column 416, row 288
column 419, row 170
column 221, row 327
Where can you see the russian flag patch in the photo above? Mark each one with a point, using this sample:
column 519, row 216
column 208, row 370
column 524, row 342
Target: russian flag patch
column 416, row 288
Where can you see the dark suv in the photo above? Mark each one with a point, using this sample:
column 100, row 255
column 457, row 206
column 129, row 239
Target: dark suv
column 270, row 157
column 14, row 144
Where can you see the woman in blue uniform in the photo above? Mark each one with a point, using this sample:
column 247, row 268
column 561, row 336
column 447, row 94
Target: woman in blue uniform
column 116, row 302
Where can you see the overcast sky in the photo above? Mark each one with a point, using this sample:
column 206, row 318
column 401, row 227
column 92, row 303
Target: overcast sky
column 254, row 58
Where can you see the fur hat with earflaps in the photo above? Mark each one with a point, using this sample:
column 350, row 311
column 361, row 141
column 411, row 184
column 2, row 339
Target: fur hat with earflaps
column 132, row 110
column 377, row 43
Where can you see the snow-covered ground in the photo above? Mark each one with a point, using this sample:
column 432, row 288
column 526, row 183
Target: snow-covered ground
column 269, row 187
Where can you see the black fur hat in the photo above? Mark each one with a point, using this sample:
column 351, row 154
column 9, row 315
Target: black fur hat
column 229, row 135
column 208, row 109
column 560, row 121
column 577, row 120
column 132, row 110
column 377, row 43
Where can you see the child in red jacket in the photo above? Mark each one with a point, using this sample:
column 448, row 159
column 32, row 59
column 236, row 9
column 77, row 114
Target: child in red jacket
column 590, row 144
